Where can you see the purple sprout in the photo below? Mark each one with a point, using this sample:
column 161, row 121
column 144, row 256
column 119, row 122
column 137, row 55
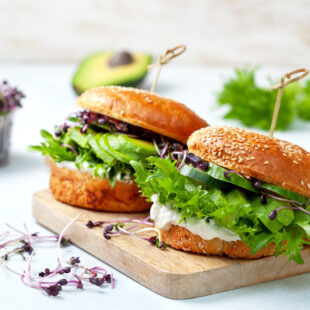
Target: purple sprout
column 263, row 199
column 273, row 215
column 74, row 260
column 107, row 230
column 70, row 147
column 10, row 98
column 44, row 282
column 129, row 226
column 86, row 118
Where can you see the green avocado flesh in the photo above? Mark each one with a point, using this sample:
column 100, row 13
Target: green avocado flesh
column 124, row 148
column 100, row 152
column 131, row 145
column 111, row 144
column 95, row 71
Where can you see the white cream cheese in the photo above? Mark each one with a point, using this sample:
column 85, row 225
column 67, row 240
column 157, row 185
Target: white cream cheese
column 164, row 217
column 71, row 165
column 85, row 168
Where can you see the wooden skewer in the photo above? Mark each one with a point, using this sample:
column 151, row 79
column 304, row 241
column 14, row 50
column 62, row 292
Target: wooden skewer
column 168, row 55
column 284, row 81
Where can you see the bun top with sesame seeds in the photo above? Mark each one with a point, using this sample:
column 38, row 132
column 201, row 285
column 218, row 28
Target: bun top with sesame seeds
column 141, row 108
column 268, row 159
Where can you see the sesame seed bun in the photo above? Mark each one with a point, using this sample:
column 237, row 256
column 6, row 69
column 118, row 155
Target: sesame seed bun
column 141, row 108
column 83, row 190
column 268, row 159
column 181, row 238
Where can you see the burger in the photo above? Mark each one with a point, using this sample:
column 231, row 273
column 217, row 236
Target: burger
column 233, row 192
column 90, row 153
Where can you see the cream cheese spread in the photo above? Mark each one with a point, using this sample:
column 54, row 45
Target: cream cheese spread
column 71, row 165
column 164, row 217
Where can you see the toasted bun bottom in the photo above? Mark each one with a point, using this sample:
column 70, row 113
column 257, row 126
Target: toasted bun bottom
column 82, row 189
column 181, row 238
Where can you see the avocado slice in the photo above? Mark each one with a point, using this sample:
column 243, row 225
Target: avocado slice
column 101, row 153
column 109, row 143
column 79, row 138
column 131, row 145
column 110, row 68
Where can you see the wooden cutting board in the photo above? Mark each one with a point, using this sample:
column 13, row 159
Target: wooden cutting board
column 170, row 273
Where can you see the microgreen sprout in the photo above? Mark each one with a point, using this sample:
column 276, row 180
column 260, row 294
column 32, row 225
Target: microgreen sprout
column 10, row 98
column 129, row 226
column 71, row 148
column 228, row 172
column 273, row 215
column 51, row 281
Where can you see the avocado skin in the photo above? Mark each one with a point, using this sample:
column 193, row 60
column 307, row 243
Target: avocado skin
column 129, row 75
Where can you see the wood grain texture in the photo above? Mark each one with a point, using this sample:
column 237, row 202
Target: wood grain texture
column 170, row 273
column 216, row 32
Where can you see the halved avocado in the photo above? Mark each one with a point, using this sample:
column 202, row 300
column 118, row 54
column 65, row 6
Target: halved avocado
column 110, row 68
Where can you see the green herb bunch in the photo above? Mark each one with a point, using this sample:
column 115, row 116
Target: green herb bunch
column 254, row 105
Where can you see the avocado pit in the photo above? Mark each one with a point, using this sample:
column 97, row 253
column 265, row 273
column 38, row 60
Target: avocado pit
column 120, row 59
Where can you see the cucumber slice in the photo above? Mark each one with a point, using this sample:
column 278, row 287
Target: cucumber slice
column 217, row 173
column 200, row 176
column 285, row 193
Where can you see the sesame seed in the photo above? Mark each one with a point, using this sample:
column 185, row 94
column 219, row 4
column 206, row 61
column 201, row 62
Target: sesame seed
column 266, row 162
column 302, row 182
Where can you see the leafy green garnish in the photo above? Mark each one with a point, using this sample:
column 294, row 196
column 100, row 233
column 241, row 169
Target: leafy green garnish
column 237, row 210
column 53, row 148
column 254, row 105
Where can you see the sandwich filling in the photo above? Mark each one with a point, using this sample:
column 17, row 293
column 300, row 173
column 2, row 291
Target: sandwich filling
column 98, row 144
column 207, row 199
column 213, row 202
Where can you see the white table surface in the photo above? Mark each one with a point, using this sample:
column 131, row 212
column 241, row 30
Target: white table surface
column 49, row 99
